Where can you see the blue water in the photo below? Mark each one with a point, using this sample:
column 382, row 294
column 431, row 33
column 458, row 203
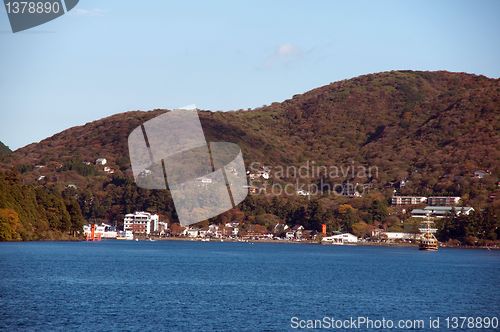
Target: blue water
column 200, row 286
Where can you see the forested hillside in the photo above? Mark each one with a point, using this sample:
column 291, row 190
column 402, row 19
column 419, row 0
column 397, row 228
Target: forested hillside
column 429, row 130
column 29, row 213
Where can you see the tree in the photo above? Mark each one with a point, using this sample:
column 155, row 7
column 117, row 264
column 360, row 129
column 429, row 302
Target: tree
column 361, row 229
column 378, row 211
column 9, row 225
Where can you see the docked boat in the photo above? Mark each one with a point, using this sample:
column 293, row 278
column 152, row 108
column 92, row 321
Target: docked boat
column 427, row 240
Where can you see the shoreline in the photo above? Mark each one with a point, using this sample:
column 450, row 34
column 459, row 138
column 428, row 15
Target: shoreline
column 359, row 244
column 186, row 239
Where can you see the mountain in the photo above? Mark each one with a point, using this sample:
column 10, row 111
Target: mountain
column 431, row 130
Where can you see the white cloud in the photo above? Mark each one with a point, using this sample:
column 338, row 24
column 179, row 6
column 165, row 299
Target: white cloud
column 283, row 54
column 286, row 50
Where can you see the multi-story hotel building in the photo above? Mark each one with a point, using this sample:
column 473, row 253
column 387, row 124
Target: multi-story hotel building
column 141, row 222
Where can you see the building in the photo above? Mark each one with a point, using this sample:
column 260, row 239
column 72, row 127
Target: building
column 141, row 222
column 101, row 161
column 230, row 229
column 162, row 228
column 440, row 211
column 108, row 170
column 394, row 236
column 443, row 200
column 350, row 189
column 295, row 232
column 191, row 232
column 204, row 180
column 103, row 231
column 479, row 174
column 408, row 200
column 280, row 229
column 344, row 238
column 214, row 230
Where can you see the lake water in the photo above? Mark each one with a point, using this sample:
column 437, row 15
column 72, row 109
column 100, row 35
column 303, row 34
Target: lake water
column 208, row 286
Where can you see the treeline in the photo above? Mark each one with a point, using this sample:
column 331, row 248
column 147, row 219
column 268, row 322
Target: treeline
column 30, row 212
column 477, row 228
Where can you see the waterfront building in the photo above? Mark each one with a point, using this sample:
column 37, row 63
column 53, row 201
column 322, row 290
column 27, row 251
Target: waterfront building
column 141, row 222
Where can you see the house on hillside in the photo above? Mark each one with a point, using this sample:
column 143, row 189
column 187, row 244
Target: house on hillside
column 443, row 200
column 204, row 180
column 350, row 190
column 440, row 211
column 101, row 161
column 408, row 200
column 108, row 170
column 479, row 174
column 303, row 192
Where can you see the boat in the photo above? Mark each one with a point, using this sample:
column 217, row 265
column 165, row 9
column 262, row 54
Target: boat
column 428, row 241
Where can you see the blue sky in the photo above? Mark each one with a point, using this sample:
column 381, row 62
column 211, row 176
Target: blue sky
column 106, row 57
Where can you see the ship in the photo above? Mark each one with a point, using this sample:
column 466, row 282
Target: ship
column 427, row 240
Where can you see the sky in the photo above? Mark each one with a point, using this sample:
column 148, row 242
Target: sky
column 107, row 57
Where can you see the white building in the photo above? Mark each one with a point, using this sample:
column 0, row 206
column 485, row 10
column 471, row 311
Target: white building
column 443, row 200
column 141, row 222
column 408, row 200
column 101, row 161
column 162, row 227
column 105, row 231
column 399, row 236
column 344, row 238
column 108, row 170
column 302, row 192
column 191, row 232
column 204, row 180
column 440, row 211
